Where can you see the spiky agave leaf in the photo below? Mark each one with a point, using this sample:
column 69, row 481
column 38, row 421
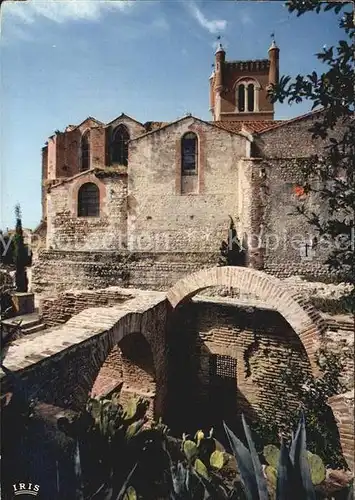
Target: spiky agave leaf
column 125, row 485
column 245, row 465
column 285, row 475
column 259, row 476
column 298, row 457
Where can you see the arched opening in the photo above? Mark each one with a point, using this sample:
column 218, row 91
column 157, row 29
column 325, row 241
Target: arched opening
column 119, row 145
column 241, row 97
column 247, row 96
column 85, row 151
column 129, row 363
column 89, row 200
column 251, row 102
column 235, row 361
column 189, row 153
column 302, row 316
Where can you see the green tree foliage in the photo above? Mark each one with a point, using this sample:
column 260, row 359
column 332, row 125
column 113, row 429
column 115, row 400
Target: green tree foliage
column 21, row 254
column 330, row 174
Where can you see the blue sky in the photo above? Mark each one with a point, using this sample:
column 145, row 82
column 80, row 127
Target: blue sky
column 63, row 61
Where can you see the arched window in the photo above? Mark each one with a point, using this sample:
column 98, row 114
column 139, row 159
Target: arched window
column 119, row 145
column 85, row 151
column 250, row 97
column 241, row 98
column 247, row 96
column 189, row 153
column 89, row 200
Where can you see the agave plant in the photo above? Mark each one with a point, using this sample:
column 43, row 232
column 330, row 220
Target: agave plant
column 292, row 469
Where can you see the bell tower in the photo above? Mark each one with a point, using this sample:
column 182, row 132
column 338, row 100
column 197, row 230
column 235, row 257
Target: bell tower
column 239, row 89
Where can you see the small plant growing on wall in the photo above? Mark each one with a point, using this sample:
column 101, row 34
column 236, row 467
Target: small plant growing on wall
column 232, row 252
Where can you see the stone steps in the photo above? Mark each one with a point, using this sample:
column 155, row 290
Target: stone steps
column 27, row 324
column 33, row 329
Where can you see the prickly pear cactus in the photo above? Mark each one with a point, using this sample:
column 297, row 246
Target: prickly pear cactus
column 199, row 436
column 190, row 449
column 271, row 455
column 316, row 467
column 201, row 469
column 217, row 459
column 130, row 494
column 130, row 409
column 271, row 474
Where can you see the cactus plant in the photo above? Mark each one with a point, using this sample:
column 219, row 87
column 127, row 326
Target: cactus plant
column 190, row 449
column 272, row 456
column 217, row 460
column 317, row 468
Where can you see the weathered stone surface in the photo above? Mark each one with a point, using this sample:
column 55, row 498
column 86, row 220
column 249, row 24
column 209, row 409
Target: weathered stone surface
column 343, row 409
column 23, row 302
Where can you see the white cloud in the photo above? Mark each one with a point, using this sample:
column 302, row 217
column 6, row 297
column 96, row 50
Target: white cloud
column 213, row 26
column 61, row 11
column 245, row 18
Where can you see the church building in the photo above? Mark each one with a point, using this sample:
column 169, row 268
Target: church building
column 165, row 192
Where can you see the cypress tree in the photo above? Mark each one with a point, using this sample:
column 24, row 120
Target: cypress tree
column 21, row 257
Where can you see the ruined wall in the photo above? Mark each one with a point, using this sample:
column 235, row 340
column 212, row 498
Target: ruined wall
column 62, row 364
column 343, row 409
column 253, row 347
column 57, row 310
column 65, row 230
column 57, row 271
column 286, row 236
column 130, row 363
column 160, row 217
column 261, row 342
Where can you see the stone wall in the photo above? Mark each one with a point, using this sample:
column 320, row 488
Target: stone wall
column 284, row 233
column 160, row 217
column 343, row 409
column 129, row 363
column 57, row 310
column 62, row 364
column 259, row 340
column 65, row 230
column 58, row 271
column 339, row 340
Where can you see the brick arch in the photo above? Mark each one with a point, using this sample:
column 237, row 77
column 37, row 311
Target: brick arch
column 129, row 362
column 149, row 322
column 246, row 79
column 300, row 314
column 79, row 348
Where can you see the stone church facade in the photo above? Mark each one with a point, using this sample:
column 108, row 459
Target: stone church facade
column 127, row 200
column 133, row 219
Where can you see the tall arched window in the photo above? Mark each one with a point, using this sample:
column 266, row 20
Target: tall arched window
column 247, row 96
column 85, row 151
column 89, row 200
column 189, row 153
column 241, row 98
column 250, row 97
column 119, row 145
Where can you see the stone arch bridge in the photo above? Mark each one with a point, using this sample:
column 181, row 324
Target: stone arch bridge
column 59, row 366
